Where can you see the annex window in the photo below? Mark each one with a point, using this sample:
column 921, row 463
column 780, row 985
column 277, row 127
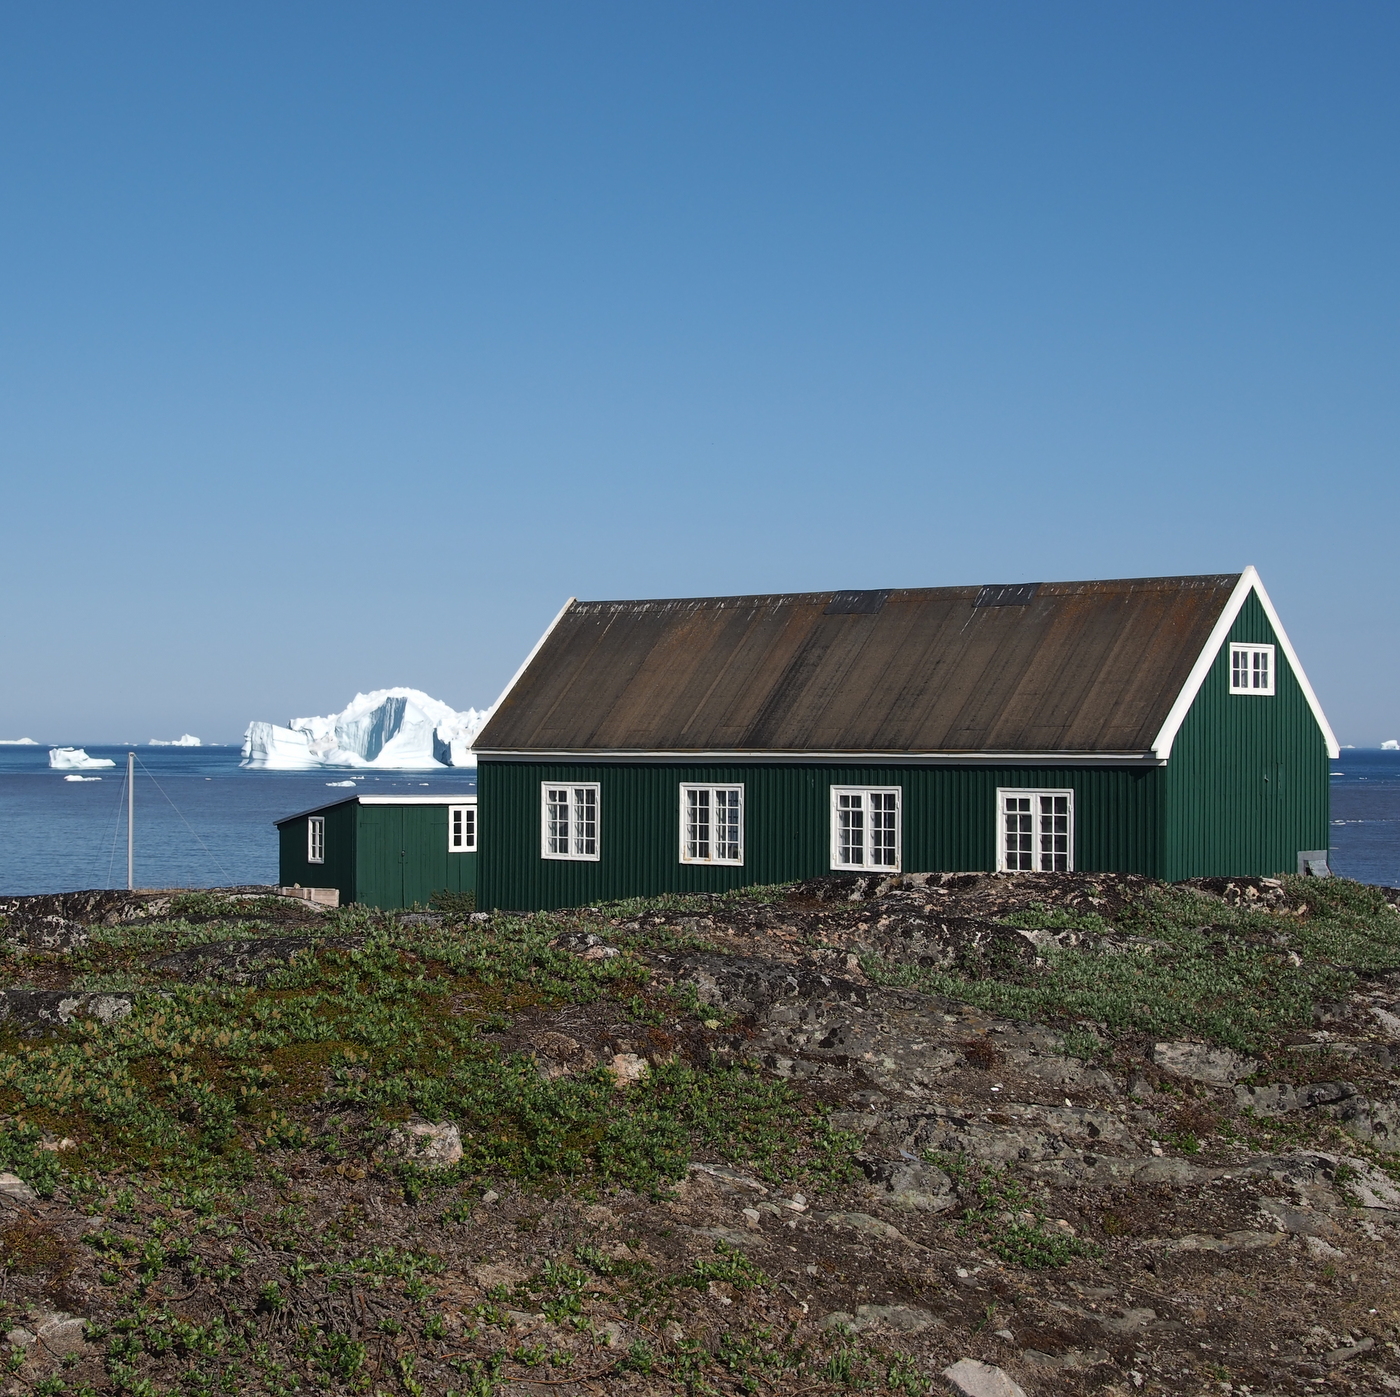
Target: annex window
column 461, row 829
column 1252, row 669
column 570, row 815
column 712, row 824
column 1036, row 832
column 316, row 839
column 865, row 830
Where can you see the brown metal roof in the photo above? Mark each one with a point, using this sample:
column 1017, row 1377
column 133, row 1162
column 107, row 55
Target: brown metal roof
column 1052, row 667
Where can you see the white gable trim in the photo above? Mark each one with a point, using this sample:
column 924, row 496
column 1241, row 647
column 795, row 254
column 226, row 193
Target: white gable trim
column 1249, row 582
column 525, row 664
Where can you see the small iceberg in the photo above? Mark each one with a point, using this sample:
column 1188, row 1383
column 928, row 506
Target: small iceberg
column 340, row 783
column 17, row 742
column 82, row 778
column 189, row 740
column 75, row 759
column 1391, row 745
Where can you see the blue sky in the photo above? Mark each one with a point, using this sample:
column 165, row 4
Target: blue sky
column 339, row 344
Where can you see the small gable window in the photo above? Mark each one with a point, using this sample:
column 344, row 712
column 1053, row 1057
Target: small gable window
column 570, row 821
column 1252, row 669
column 865, row 829
column 1037, row 831
column 712, row 824
column 461, row 829
column 316, row 839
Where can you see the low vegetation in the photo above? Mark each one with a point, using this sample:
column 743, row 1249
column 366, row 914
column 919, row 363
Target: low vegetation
column 1183, row 962
column 215, row 1136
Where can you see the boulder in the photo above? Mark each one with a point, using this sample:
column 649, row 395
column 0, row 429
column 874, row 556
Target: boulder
column 16, row 1190
column 62, row 1334
column 627, row 1068
column 974, row 1379
column 433, row 1146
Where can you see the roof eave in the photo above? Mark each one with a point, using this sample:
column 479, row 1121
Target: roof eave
column 809, row 757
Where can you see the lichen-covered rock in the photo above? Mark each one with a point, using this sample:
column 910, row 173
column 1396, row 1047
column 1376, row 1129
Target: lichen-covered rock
column 903, row 1319
column 909, row 1184
column 1198, row 1062
column 37, row 1011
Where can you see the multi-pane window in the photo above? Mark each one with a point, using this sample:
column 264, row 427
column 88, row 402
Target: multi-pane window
column 461, row 829
column 1252, row 669
column 865, row 829
column 570, row 816
column 1036, row 831
column 712, row 824
column 316, row 839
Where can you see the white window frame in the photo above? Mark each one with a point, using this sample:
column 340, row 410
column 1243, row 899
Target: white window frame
column 1034, row 794
column 837, row 862
column 576, row 839
column 316, row 839
column 1248, row 651
column 466, row 843
column 710, row 790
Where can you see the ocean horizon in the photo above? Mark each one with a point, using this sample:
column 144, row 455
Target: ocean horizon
column 201, row 819
column 204, row 821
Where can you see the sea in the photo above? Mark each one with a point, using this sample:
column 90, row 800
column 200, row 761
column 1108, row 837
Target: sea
column 203, row 821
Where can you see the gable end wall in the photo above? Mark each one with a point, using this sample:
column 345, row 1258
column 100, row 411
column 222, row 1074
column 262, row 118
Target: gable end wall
column 1247, row 785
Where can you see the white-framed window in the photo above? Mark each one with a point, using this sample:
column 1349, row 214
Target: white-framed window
column 712, row 824
column 865, row 827
column 461, row 829
column 1251, row 669
column 1035, row 831
column 569, row 816
column 316, row 839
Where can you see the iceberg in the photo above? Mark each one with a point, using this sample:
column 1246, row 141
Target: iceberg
column 189, row 740
column 75, row 759
column 82, row 778
column 17, row 742
column 391, row 729
column 1390, row 745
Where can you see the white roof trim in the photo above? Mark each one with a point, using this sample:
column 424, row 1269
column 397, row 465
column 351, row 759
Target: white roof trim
column 525, row 663
column 1249, row 582
column 458, row 799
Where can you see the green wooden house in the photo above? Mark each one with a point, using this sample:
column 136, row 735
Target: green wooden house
column 1155, row 725
column 382, row 851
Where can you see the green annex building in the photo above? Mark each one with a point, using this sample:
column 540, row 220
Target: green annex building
column 382, row 851
column 1159, row 725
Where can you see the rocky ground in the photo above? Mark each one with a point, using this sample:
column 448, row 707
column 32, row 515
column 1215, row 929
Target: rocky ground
column 936, row 1133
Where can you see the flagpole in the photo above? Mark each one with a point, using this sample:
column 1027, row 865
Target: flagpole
column 130, row 816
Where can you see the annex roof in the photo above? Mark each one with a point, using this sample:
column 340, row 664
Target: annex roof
column 1079, row 670
column 457, row 799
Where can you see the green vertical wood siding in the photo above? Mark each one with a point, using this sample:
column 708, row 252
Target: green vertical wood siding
column 338, row 871
column 379, row 869
column 949, row 824
column 1247, row 784
column 378, row 855
column 404, row 857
